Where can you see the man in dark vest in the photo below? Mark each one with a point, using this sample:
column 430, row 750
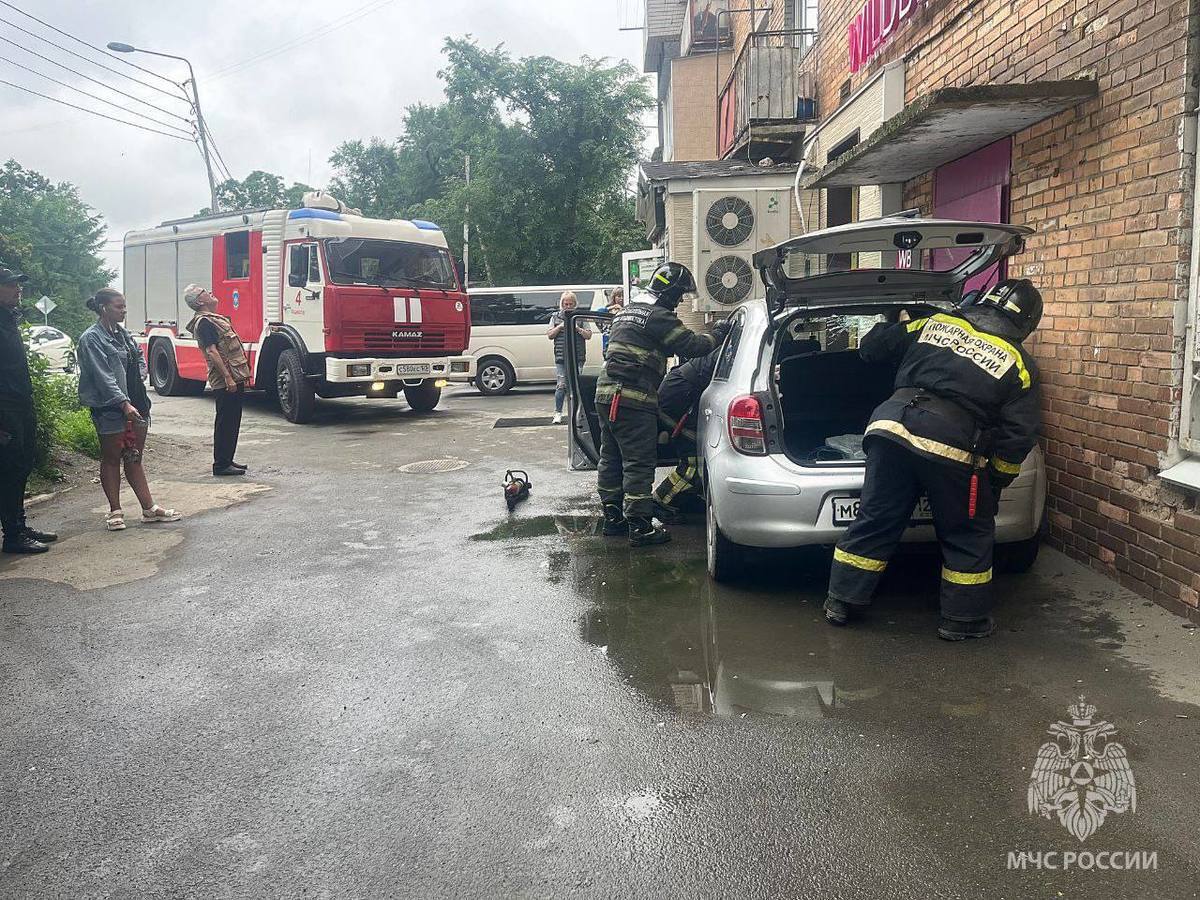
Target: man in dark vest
column 18, row 423
column 641, row 338
column 964, row 415
column 228, row 374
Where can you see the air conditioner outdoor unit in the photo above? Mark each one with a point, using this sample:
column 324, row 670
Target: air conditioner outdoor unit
column 728, row 227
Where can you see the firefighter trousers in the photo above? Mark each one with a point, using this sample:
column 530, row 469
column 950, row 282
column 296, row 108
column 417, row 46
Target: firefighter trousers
column 682, row 485
column 628, row 455
column 895, row 480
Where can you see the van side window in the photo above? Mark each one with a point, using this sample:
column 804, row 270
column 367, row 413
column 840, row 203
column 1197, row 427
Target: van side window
column 495, row 309
column 538, row 306
column 729, row 350
column 237, row 254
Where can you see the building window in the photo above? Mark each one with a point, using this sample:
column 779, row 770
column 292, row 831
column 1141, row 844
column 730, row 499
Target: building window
column 237, row 255
column 1190, row 426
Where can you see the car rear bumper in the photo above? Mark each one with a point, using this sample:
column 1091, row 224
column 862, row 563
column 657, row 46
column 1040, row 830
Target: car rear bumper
column 338, row 370
column 771, row 502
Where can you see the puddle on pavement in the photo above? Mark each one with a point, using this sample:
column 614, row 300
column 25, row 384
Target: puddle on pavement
column 542, row 526
column 765, row 650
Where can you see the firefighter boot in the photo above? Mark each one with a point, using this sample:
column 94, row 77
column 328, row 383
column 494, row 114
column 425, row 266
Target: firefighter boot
column 644, row 533
column 950, row 630
column 839, row 613
column 615, row 524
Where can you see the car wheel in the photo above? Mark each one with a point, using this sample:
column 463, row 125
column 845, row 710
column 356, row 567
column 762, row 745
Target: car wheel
column 424, row 397
column 494, row 376
column 1018, row 557
column 297, row 399
column 726, row 560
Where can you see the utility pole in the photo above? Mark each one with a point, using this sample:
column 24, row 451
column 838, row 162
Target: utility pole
column 195, row 101
column 467, row 231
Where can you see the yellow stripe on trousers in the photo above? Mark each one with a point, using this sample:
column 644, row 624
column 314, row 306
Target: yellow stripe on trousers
column 859, row 562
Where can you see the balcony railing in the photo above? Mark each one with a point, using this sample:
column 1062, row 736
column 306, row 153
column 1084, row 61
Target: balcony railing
column 772, row 85
column 706, row 27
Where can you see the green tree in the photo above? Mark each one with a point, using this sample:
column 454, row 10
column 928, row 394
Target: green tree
column 258, row 190
column 50, row 234
column 552, row 144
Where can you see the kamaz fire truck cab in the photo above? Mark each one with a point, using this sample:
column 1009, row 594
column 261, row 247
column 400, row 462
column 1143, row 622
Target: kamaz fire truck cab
column 327, row 302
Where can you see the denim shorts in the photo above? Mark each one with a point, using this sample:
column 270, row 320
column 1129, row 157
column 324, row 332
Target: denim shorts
column 109, row 420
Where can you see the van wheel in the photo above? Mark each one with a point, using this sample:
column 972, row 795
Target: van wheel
column 164, row 376
column 297, row 400
column 424, row 397
column 726, row 560
column 494, row 376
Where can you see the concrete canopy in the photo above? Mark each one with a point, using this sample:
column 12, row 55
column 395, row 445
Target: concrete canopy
column 947, row 124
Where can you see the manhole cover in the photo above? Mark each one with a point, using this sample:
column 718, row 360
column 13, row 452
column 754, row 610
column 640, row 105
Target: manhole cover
column 433, row 466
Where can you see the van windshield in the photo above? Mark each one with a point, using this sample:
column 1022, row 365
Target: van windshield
column 389, row 264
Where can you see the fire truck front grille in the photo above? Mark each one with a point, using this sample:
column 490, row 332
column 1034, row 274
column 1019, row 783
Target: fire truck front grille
column 403, row 338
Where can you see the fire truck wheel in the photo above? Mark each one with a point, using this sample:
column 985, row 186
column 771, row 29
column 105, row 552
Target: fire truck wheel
column 297, row 400
column 164, row 376
column 424, row 397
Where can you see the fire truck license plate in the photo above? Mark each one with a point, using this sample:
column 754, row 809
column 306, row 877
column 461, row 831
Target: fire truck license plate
column 413, row 369
column 845, row 510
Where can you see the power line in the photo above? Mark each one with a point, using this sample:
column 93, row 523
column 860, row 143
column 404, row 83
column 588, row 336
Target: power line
column 96, row 81
column 307, row 38
column 72, row 87
column 93, row 112
column 70, row 52
column 212, row 142
column 93, row 46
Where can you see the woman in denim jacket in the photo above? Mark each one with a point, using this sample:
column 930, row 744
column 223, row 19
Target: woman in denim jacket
column 111, row 370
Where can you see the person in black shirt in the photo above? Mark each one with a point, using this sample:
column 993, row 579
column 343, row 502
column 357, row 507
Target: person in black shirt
column 228, row 374
column 18, row 423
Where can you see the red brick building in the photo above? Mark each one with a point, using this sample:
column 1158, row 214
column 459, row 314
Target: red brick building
column 1077, row 118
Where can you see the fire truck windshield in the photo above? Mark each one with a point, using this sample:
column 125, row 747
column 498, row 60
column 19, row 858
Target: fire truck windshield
column 389, row 264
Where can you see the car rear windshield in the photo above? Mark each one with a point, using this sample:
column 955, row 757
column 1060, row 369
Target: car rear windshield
column 389, row 264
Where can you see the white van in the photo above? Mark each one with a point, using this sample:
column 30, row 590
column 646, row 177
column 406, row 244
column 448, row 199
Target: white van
column 508, row 333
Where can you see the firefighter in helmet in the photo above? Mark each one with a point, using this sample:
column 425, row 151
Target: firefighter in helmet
column 963, row 417
column 642, row 336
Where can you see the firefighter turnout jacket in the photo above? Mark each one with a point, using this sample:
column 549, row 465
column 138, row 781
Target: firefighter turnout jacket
column 641, row 338
column 966, row 392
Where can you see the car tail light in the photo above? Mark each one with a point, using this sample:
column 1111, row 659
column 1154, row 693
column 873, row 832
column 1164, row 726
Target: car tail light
column 746, row 426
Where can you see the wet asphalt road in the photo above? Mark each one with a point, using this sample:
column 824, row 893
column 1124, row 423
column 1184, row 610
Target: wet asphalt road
column 366, row 683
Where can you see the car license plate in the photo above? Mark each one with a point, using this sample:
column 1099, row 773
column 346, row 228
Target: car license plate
column 845, row 510
column 413, row 369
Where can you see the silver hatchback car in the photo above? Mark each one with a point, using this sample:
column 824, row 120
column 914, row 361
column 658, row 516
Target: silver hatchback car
column 782, row 423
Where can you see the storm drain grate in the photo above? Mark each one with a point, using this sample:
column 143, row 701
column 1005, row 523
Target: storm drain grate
column 524, row 422
column 433, row 466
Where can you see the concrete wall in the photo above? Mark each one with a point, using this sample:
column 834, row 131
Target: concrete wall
column 1108, row 187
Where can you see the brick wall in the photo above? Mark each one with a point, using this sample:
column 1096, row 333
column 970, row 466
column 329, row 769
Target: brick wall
column 1108, row 187
column 694, row 105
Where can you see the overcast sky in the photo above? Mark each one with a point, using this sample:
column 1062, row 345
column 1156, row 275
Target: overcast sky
column 282, row 113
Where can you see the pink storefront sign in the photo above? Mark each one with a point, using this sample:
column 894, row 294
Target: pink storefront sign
column 875, row 25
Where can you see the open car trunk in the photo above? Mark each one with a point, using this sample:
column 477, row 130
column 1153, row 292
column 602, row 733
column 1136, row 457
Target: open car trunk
column 826, row 391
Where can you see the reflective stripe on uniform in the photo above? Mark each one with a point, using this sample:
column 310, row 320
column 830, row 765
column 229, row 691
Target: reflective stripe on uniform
column 638, row 353
column 627, row 393
column 1005, row 467
column 678, row 483
column 675, row 334
column 966, row 577
column 915, row 325
column 859, row 562
column 937, row 448
column 1026, row 379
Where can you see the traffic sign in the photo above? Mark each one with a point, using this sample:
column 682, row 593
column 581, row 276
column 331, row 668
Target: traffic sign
column 46, row 306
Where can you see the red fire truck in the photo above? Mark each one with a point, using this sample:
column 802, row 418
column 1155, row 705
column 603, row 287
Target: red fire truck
column 327, row 302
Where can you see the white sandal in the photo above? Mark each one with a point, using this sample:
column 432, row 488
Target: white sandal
column 157, row 514
column 115, row 520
